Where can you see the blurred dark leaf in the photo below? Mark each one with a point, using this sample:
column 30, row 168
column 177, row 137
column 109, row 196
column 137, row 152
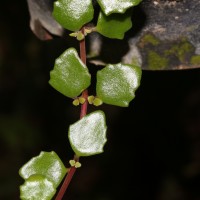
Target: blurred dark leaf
column 41, row 21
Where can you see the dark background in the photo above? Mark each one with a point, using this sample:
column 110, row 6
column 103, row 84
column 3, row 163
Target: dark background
column 153, row 148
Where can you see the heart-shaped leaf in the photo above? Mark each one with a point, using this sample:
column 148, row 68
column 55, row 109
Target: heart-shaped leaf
column 73, row 14
column 88, row 136
column 47, row 164
column 37, row 187
column 116, row 84
column 70, row 76
column 117, row 22
column 116, row 6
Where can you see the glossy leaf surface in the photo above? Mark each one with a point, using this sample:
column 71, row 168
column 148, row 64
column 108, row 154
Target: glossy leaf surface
column 69, row 76
column 73, row 14
column 116, row 84
column 88, row 136
column 116, row 6
column 115, row 25
column 47, row 164
column 37, row 187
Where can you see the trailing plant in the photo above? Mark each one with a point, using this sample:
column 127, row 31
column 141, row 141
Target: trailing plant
column 116, row 84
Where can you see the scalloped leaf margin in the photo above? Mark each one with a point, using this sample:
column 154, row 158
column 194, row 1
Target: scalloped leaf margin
column 73, row 14
column 117, row 22
column 117, row 83
column 42, row 175
column 88, row 136
column 70, row 75
column 116, row 6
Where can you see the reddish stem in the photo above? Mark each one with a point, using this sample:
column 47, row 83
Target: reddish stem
column 82, row 48
column 84, row 106
column 85, row 92
column 83, row 112
column 66, row 183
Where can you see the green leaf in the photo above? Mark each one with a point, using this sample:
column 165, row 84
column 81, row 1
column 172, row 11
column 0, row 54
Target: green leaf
column 115, row 25
column 47, row 164
column 116, row 84
column 70, row 76
column 88, row 136
column 73, row 14
column 116, row 6
column 37, row 187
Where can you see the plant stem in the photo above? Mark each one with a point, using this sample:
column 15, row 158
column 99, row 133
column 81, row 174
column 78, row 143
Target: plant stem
column 83, row 112
column 82, row 48
column 66, row 183
column 85, row 92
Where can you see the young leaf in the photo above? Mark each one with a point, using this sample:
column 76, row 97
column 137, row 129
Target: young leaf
column 116, row 84
column 116, row 6
column 118, row 22
column 88, row 136
column 70, row 76
column 47, row 164
column 37, row 187
column 73, row 14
